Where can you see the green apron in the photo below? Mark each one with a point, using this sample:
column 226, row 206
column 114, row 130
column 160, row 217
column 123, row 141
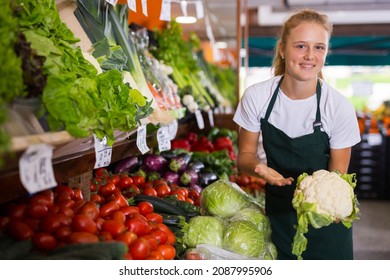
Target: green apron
column 291, row 157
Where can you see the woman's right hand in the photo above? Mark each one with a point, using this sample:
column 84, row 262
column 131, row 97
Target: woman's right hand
column 271, row 176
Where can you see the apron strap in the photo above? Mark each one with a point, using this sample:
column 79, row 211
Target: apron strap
column 273, row 99
column 317, row 123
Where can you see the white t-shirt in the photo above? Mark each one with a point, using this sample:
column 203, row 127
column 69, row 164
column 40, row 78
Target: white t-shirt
column 296, row 117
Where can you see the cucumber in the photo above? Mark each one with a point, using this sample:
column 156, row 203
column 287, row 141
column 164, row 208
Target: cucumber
column 174, row 220
column 161, row 205
column 10, row 249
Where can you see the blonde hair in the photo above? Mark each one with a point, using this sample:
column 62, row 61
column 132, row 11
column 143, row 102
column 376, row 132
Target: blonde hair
column 304, row 15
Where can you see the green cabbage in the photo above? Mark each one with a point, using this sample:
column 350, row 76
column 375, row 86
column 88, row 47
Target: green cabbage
column 256, row 216
column 203, row 230
column 223, row 199
column 244, row 238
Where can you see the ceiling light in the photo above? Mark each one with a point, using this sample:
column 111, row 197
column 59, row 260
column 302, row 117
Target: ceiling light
column 186, row 19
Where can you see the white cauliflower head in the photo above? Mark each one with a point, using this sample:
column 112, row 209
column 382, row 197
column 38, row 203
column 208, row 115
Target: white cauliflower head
column 331, row 193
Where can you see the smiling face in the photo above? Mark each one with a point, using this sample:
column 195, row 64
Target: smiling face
column 305, row 51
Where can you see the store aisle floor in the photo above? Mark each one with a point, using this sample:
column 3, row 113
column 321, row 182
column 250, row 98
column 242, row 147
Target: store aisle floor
column 371, row 235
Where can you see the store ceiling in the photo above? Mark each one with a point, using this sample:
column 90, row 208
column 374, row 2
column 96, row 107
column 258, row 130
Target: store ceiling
column 361, row 34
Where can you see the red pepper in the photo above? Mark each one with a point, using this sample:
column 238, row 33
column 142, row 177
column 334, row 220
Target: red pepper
column 180, row 144
column 223, row 143
column 192, row 137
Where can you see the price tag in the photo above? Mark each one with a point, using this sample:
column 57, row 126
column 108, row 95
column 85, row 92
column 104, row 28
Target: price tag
column 132, row 5
column 141, row 139
column 112, row 2
column 374, row 139
column 145, row 7
column 103, row 152
column 165, row 13
column 35, row 168
column 211, row 117
column 172, row 129
column 199, row 119
column 163, row 139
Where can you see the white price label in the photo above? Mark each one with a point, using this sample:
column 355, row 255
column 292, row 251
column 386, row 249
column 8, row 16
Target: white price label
column 199, row 119
column 165, row 13
column 172, row 129
column 132, row 5
column 211, row 117
column 141, row 139
column 163, row 139
column 145, row 7
column 103, row 152
column 112, row 2
column 35, row 168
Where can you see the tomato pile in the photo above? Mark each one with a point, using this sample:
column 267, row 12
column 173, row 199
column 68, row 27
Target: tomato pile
column 60, row 216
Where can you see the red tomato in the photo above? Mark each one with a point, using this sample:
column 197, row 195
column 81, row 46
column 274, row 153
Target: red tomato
column 53, row 222
column 163, row 190
column 105, row 236
column 63, row 189
column 138, row 180
column 66, row 203
column 153, row 242
column 101, row 172
column 35, row 210
column 83, row 223
column 149, row 191
column 189, row 200
column 108, row 208
column 154, row 217
column 97, row 198
column 66, row 211
column 168, row 251
column 82, row 237
column 155, row 255
column 17, row 211
column 131, row 191
column 114, row 179
column 107, row 189
column 114, row 227
column 160, row 236
column 4, row 220
column 44, row 241
column 139, row 249
column 32, row 223
column 129, row 210
column 145, row 207
column 118, row 216
column 89, row 209
column 63, row 232
column 125, row 182
column 138, row 224
column 19, row 230
column 120, row 200
column 78, row 195
column 126, row 237
column 159, row 182
column 42, row 199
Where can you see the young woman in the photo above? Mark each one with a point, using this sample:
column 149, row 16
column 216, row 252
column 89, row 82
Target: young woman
column 306, row 125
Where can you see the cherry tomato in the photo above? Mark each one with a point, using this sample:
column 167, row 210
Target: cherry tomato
column 159, row 182
column 118, row 216
column 44, row 241
column 82, row 237
column 139, row 249
column 114, row 227
column 125, row 182
column 35, row 210
column 155, row 255
column 97, row 198
column 19, row 230
column 153, row 242
column 149, row 191
column 53, row 222
column 138, row 180
column 63, row 232
column 63, row 189
column 126, row 237
column 154, row 217
column 83, row 223
column 42, row 199
column 131, row 191
column 114, row 179
column 66, row 211
column 168, row 251
column 101, row 172
column 145, row 207
column 120, row 200
column 105, row 236
column 129, row 210
column 78, row 195
column 66, row 203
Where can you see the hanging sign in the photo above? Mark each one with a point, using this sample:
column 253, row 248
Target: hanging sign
column 211, row 117
column 103, row 152
column 141, row 139
column 172, row 129
column 35, row 168
column 165, row 13
column 163, row 139
column 199, row 9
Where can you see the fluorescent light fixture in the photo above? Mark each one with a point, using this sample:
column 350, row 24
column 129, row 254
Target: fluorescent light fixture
column 221, row 45
column 186, row 19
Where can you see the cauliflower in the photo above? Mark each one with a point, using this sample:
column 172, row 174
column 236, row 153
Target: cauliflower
column 321, row 199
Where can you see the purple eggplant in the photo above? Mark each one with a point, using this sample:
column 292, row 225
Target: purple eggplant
column 196, row 165
column 206, row 178
column 154, row 162
column 196, row 187
column 179, row 163
column 189, row 176
column 171, row 177
column 129, row 164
